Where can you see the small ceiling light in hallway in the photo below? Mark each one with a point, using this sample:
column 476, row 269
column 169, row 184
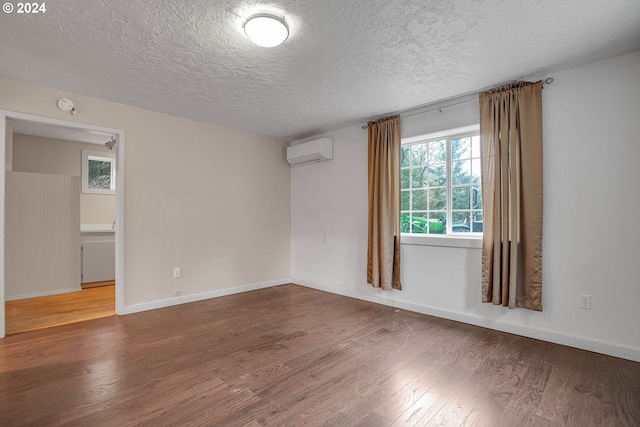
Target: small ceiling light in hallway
column 266, row 29
column 110, row 144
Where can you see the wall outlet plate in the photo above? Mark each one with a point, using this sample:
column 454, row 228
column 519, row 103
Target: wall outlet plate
column 585, row 301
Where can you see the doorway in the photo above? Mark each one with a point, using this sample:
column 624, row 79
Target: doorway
column 60, row 129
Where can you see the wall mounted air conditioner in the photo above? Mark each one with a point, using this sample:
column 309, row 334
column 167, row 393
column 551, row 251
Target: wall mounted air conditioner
column 311, row 151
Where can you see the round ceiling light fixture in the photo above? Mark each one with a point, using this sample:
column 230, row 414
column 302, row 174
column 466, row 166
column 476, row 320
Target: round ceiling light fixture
column 266, row 29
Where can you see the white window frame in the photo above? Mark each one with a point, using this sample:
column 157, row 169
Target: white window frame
column 103, row 157
column 451, row 239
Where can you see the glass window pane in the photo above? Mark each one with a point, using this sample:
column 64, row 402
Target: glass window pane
column 404, row 201
column 476, row 198
column 475, row 146
column 405, row 222
column 437, row 176
column 418, row 154
column 460, row 197
column 476, row 171
column 440, row 216
column 437, row 223
column 437, row 199
column 404, row 178
column 99, row 174
column 420, row 223
column 438, row 151
column 461, row 148
column 460, row 172
column 404, row 156
column 419, row 200
column 460, row 222
column 418, row 177
column 476, row 221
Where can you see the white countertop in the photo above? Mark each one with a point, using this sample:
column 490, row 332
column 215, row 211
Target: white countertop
column 96, row 228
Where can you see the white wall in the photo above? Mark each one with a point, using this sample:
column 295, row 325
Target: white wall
column 60, row 157
column 591, row 228
column 211, row 200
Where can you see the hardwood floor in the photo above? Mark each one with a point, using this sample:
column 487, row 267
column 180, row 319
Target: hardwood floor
column 97, row 284
column 292, row 356
column 53, row 310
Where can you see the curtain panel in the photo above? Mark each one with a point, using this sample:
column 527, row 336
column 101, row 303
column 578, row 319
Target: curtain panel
column 511, row 134
column 383, row 248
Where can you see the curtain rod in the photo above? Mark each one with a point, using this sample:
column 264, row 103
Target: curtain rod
column 546, row 81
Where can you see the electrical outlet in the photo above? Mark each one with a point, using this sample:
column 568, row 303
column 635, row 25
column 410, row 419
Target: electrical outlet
column 176, row 273
column 326, row 238
column 585, row 301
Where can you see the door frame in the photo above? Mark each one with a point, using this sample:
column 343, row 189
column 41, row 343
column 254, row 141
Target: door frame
column 5, row 117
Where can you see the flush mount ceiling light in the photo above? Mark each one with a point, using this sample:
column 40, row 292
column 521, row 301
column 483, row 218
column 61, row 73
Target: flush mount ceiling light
column 266, row 29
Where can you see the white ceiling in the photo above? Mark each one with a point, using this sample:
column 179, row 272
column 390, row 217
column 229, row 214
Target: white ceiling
column 346, row 61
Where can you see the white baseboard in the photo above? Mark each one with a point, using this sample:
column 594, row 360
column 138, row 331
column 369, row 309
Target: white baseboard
column 583, row 343
column 42, row 294
column 136, row 308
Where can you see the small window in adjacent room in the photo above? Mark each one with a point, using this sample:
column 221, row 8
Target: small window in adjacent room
column 98, row 172
column 441, row 191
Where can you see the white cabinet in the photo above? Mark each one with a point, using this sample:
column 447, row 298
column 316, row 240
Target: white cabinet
column 98, row 255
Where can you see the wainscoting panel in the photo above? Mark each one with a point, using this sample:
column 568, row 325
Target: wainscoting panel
column 42, row 235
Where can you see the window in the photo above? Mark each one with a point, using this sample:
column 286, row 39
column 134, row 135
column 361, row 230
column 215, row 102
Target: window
column 441, row 190
column 98, row 172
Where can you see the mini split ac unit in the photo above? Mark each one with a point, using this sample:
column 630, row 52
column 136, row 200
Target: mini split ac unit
column 312, row 151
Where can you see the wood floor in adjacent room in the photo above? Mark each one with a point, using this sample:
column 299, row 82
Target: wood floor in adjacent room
column 293, row 356
column 54, row 310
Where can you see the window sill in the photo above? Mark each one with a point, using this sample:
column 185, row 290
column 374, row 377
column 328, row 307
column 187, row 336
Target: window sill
column 472, row 242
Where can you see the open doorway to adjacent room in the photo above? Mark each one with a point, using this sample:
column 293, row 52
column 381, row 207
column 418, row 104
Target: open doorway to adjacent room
column 62, row 208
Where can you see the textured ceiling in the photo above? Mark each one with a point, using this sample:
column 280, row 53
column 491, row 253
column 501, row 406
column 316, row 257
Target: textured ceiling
column 345, row 61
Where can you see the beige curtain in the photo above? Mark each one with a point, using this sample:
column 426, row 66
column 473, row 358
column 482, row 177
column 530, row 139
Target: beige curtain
column 383, row 249
column 511, row 133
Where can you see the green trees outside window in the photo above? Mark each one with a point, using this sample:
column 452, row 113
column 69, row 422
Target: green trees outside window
column 99, row 174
